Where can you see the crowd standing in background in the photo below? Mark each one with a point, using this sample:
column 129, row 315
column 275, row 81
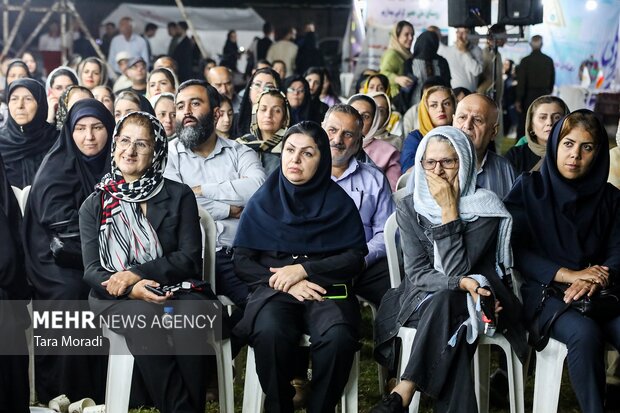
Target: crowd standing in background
column 300, row 179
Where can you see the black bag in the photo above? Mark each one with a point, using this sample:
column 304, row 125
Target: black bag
column 66, row 244
column 603, row 306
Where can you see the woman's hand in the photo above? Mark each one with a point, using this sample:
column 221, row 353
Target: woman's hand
column 445, row 194
column 52, row 105
column 580, row 288
column 307, row 291
column 598, row 274
column 118, row 283
column 474, row 289
column 139, row 292
column 404, row 81
column 285, row 277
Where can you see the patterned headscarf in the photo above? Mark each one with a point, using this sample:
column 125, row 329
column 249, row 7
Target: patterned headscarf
column 255, row 139
column 126, row 238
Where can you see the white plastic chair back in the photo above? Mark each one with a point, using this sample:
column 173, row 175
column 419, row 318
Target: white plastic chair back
column 208, row 255
column 393, row 250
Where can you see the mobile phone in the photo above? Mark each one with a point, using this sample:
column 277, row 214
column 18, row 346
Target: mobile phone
column 155, row 290
column 336, row 292
column 487, row 305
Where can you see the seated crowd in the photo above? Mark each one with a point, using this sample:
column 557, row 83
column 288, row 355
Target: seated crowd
column 300, row 186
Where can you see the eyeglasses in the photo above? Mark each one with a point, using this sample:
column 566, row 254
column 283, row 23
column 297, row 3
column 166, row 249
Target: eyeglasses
column 125, row 143
column 295, row 91
column 262, row 86
column 448, row 163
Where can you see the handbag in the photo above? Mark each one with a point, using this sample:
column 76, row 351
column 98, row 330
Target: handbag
column 66, row 244
column 602, row 306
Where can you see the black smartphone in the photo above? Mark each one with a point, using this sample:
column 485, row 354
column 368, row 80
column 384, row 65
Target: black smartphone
column 155, row 290
column 487, row 305
column 336, row 292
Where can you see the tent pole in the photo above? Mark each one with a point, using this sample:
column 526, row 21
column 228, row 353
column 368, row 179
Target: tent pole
column 5, row 21
column 18, row 22
column 181, row 7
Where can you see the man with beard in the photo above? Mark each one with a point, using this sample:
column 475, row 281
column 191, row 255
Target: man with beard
column 370, row 190
column 223, row 174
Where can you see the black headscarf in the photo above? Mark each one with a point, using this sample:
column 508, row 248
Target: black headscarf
column 309, row 109
column 315, row 217
column 571, row 218
column 67, row 176
column 244, row 118
column 426, row 46
column 23, row 147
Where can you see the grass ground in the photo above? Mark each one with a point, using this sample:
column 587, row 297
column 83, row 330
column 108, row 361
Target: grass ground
column 368, row 383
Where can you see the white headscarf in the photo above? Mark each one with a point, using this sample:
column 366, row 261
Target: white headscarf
column 370, row 136
column 473, row 203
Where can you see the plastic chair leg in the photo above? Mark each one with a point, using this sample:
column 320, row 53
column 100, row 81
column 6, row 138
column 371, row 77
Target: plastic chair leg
column 120, row 372
column 549, row 366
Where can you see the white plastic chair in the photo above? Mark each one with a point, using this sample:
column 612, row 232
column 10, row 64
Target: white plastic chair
column 210, row 232
column 253, row 396
column 402, row 180
column 482, row 356
column 548, row 378
column 22, row 196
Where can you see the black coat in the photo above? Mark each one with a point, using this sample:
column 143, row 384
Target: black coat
column 183, row 55
column 252, row 266
column 173, row 213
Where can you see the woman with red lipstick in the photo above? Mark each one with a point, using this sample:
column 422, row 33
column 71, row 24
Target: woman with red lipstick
column 567, row 232
column 542, row 114
column 437, row 109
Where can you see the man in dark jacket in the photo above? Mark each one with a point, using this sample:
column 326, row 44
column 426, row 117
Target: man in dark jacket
column 536, row 77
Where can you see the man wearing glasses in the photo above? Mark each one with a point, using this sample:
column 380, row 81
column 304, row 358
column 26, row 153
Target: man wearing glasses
column 477, row 115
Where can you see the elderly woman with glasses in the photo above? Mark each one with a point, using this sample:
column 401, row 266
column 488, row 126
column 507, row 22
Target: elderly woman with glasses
column 140, row 231
column 455, row 239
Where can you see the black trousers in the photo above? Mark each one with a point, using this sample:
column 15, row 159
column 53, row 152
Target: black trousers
column 175, row 383
column 277, row 329
column 585, row 339
column 438, row 369
column 373, row 283
column 226, row 281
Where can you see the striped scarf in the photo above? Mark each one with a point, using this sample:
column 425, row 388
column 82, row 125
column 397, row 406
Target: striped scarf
column 126, row 238
column 254, row 139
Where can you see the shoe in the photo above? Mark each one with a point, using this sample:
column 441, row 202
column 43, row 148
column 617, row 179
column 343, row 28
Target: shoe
column 392, row 403
column 301, row 393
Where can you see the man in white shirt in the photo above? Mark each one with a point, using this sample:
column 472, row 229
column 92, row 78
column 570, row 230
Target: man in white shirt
column 224, row 174
column 465, row 61
column 127, row 41
column 284, row 49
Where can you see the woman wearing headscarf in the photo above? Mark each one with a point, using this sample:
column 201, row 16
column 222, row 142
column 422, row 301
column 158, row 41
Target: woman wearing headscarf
column 92, row 72
column 437, row 109
column 289, row 248
column 57, row 82
column 542, row 114
column 270, row 118
column 455, row 237
column 66, row 177
column 381, row 154
column 161, row 80
column 17, row 69
column 165, row 111
column 390, row 126
column 27, row 137
column 14, row 318
column 315, row 76
column 137, row 230
column 398, row 52
column 230, row 52
column 262, row 79
column 427, row 63
column 567, row 233
column 303, row 106
column 71, row 95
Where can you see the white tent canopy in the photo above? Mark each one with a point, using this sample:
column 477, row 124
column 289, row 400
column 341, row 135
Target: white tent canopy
column 212, row 24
